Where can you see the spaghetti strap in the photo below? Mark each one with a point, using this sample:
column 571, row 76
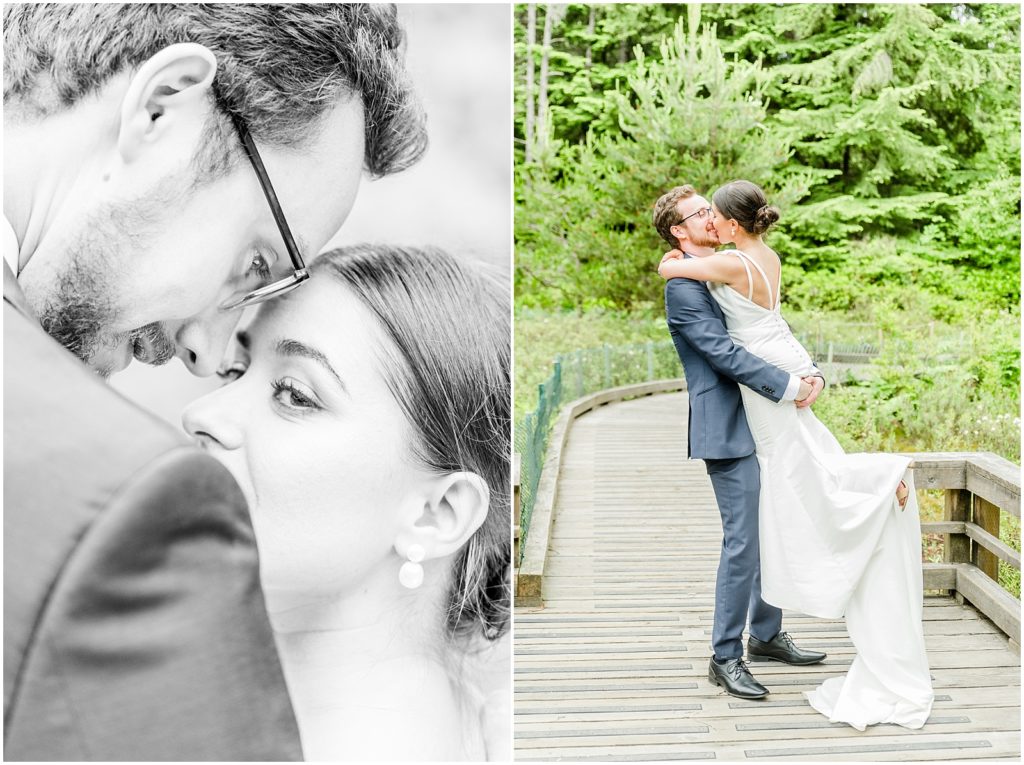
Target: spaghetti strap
column 744, row 257
column 750, row 278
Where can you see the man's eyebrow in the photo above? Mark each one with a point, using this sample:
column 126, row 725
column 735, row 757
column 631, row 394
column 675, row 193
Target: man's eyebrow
column 300, row 243
column 289, row 347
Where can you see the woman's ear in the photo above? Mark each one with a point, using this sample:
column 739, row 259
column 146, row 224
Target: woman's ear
column 453, row 510
column 170, row 90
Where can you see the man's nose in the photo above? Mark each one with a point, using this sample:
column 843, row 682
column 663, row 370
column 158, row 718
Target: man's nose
column 202, row 340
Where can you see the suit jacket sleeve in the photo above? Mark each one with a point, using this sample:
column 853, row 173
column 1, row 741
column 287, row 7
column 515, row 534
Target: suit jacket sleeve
column 154, row 643
column 690, row 311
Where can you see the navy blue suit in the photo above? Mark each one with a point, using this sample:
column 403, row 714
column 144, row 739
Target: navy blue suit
column 717, row 432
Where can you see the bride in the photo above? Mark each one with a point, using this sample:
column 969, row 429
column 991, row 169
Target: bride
column 366, row 418
column 839, row 533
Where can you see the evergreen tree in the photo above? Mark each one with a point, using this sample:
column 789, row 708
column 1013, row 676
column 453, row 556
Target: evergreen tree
column 884, row 131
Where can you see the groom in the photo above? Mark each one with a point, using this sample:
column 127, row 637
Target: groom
column 140, row 141
column 718, row 434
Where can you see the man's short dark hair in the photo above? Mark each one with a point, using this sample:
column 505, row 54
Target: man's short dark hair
column 280, row 66
column 665, row 213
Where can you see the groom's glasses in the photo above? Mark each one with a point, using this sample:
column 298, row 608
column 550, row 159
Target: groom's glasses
column 701, row 214
column 299, row 274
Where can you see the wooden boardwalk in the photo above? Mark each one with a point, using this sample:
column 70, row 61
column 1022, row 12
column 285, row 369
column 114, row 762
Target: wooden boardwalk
column 614, row 667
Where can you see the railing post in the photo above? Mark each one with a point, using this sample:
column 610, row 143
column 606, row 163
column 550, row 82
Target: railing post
column 986, row 515
column 957, row 547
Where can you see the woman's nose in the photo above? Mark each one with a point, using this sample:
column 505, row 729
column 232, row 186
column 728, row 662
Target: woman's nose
column 214, row 420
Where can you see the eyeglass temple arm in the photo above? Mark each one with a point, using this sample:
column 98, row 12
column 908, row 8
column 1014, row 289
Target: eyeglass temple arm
column 268, row 191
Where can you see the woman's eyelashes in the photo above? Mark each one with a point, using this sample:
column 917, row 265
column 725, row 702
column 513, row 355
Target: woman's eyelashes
column 294, row 396
column 287, row 392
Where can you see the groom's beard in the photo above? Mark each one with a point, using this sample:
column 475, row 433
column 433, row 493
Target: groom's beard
column 77, row 307
column 705, row 239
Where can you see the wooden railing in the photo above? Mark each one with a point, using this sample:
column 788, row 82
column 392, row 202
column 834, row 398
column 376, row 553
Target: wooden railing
column 979, row 486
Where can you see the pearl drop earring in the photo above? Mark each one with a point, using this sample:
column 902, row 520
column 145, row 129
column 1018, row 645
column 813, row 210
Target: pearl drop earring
column 411, row 572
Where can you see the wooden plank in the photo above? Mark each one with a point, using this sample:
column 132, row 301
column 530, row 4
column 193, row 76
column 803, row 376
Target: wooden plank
column 939, row 576
column 942, row 476
column 995, row 479
column 780, row 724
column 933, row 747
column 992, row 544
column 943, row 527
column 991, row 599
column 632, row 709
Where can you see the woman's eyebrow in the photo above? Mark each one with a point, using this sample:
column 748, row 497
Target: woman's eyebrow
column 289, row 347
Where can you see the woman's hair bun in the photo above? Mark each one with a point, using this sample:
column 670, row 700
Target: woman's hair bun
column 765, row 218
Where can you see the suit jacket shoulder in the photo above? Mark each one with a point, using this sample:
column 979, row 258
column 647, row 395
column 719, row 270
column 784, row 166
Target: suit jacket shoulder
column 131, row 591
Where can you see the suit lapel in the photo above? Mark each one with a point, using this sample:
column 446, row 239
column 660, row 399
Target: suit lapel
column 14, row 295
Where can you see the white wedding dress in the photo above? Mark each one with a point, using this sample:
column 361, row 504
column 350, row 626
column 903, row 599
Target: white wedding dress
column 834, row 540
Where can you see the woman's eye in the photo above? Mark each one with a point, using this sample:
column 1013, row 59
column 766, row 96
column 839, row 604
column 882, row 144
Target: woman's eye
column 231, row 372
column 292, row 395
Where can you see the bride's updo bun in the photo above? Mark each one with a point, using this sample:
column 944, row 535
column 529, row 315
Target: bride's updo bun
column 765, row 218
column 745, row 202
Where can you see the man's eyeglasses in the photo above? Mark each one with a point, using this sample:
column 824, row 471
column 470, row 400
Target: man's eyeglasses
column 701, row 214
column 300, row 274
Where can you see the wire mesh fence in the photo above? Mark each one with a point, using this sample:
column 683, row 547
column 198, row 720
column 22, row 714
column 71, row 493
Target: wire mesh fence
column 573, row 376
column 531, row 441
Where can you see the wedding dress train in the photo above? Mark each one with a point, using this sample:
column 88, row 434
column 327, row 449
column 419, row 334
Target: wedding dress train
column 834, row 540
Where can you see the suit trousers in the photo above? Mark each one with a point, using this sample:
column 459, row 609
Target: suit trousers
column 737, row 484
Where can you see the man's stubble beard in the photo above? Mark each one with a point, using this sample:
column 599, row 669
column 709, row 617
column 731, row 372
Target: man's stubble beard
column 78, row 305
column 704, row 239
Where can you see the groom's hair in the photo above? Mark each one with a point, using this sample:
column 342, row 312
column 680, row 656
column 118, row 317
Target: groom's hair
column 280, row 67
column 665, row 213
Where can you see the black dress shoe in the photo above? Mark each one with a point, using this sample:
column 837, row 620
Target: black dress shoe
column 733, row 675
column 781, row 648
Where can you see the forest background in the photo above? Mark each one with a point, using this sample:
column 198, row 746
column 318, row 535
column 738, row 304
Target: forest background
column 889, row 137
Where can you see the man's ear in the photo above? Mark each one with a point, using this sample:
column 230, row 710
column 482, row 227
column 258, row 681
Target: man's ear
column 169, row 90
column 679, row 232
column 453, row 510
